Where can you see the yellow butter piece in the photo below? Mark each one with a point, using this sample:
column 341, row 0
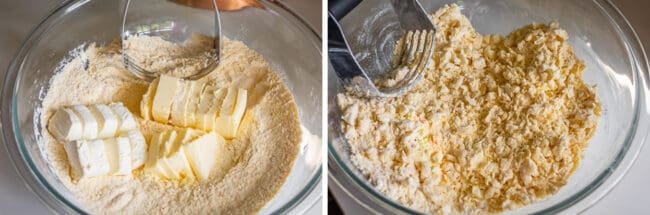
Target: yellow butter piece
column 147, row 100
column 164, row 97
column 152, row 165
column 209, row 106
column 203, row 153
column 176, row 159
column 194, row 96
column 178, row 115
column 232, row 111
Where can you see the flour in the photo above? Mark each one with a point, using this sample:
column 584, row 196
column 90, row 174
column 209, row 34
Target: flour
column 265, row 148
column 497, row 122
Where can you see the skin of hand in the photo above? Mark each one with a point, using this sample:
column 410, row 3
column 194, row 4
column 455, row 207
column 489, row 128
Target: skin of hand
column 224, row 5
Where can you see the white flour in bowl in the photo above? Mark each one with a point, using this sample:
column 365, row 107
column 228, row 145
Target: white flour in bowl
column 265, row 148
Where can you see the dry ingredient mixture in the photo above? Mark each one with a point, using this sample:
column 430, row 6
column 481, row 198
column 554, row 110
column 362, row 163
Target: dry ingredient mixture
column 264, row 149
column 496, row 123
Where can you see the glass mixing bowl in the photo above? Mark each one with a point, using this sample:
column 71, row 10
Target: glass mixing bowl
column 290, row 46
column 600, row 36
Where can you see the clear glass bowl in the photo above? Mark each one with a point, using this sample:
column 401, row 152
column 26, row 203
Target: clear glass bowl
column 615, row 62
column 290, row 46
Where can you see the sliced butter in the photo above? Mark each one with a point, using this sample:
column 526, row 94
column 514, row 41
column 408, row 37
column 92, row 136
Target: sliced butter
column 164, row 97
column 232, row 111
column 209, row 106
column 177, row 160
column 147, row 100
column 203, row 152
column 194, row 96
column 118, row 153
column 178, row 114
column 152, row 166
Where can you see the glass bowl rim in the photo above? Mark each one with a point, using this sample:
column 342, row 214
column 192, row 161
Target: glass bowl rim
column 635, row 54
column 25, row 166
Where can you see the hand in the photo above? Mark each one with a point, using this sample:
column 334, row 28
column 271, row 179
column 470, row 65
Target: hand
column 224, row 5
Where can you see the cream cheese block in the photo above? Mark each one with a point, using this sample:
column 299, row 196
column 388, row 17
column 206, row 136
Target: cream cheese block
column 88, row 122
column 65, row 125
column 164, row 97
column 126, row 120
column 87, row 158
column 106, row 120
column 138, row 148
column 95, row 121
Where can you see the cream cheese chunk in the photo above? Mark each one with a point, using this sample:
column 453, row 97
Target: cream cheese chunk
column 126, row 120
column 65, row 125
column 106, row 120
column 88, row 122
column 138, row 148
column 87, row 158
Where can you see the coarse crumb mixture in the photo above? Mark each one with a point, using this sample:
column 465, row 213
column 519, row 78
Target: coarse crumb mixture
column 496, row 123
column 265, row 147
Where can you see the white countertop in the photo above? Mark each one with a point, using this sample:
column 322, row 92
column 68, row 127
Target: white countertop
column 17, row 18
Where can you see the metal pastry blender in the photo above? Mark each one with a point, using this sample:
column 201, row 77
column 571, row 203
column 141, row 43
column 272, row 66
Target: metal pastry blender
column 413, row 51
column 171, row 22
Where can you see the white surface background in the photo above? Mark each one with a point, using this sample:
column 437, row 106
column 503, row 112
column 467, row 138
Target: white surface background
column 632, row 194
column 17, row 18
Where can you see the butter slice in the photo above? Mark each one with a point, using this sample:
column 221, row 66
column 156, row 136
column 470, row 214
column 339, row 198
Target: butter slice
column 126, row 119
column 152, row 155
column 88, row 122
column 178, row 115
column 87, row 158
column 118, row 152
column 203, row 152
column 232, row 111
column 162, row 162
column 65, row 125
column 106, row 120
column 164, row 97
column 209, row 107
column 194, row 97
column 147, row 100
column 138, row 148
column 177, row 160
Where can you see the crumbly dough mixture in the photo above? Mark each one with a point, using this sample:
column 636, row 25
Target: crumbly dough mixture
column 265, row 149
column 496, row 122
